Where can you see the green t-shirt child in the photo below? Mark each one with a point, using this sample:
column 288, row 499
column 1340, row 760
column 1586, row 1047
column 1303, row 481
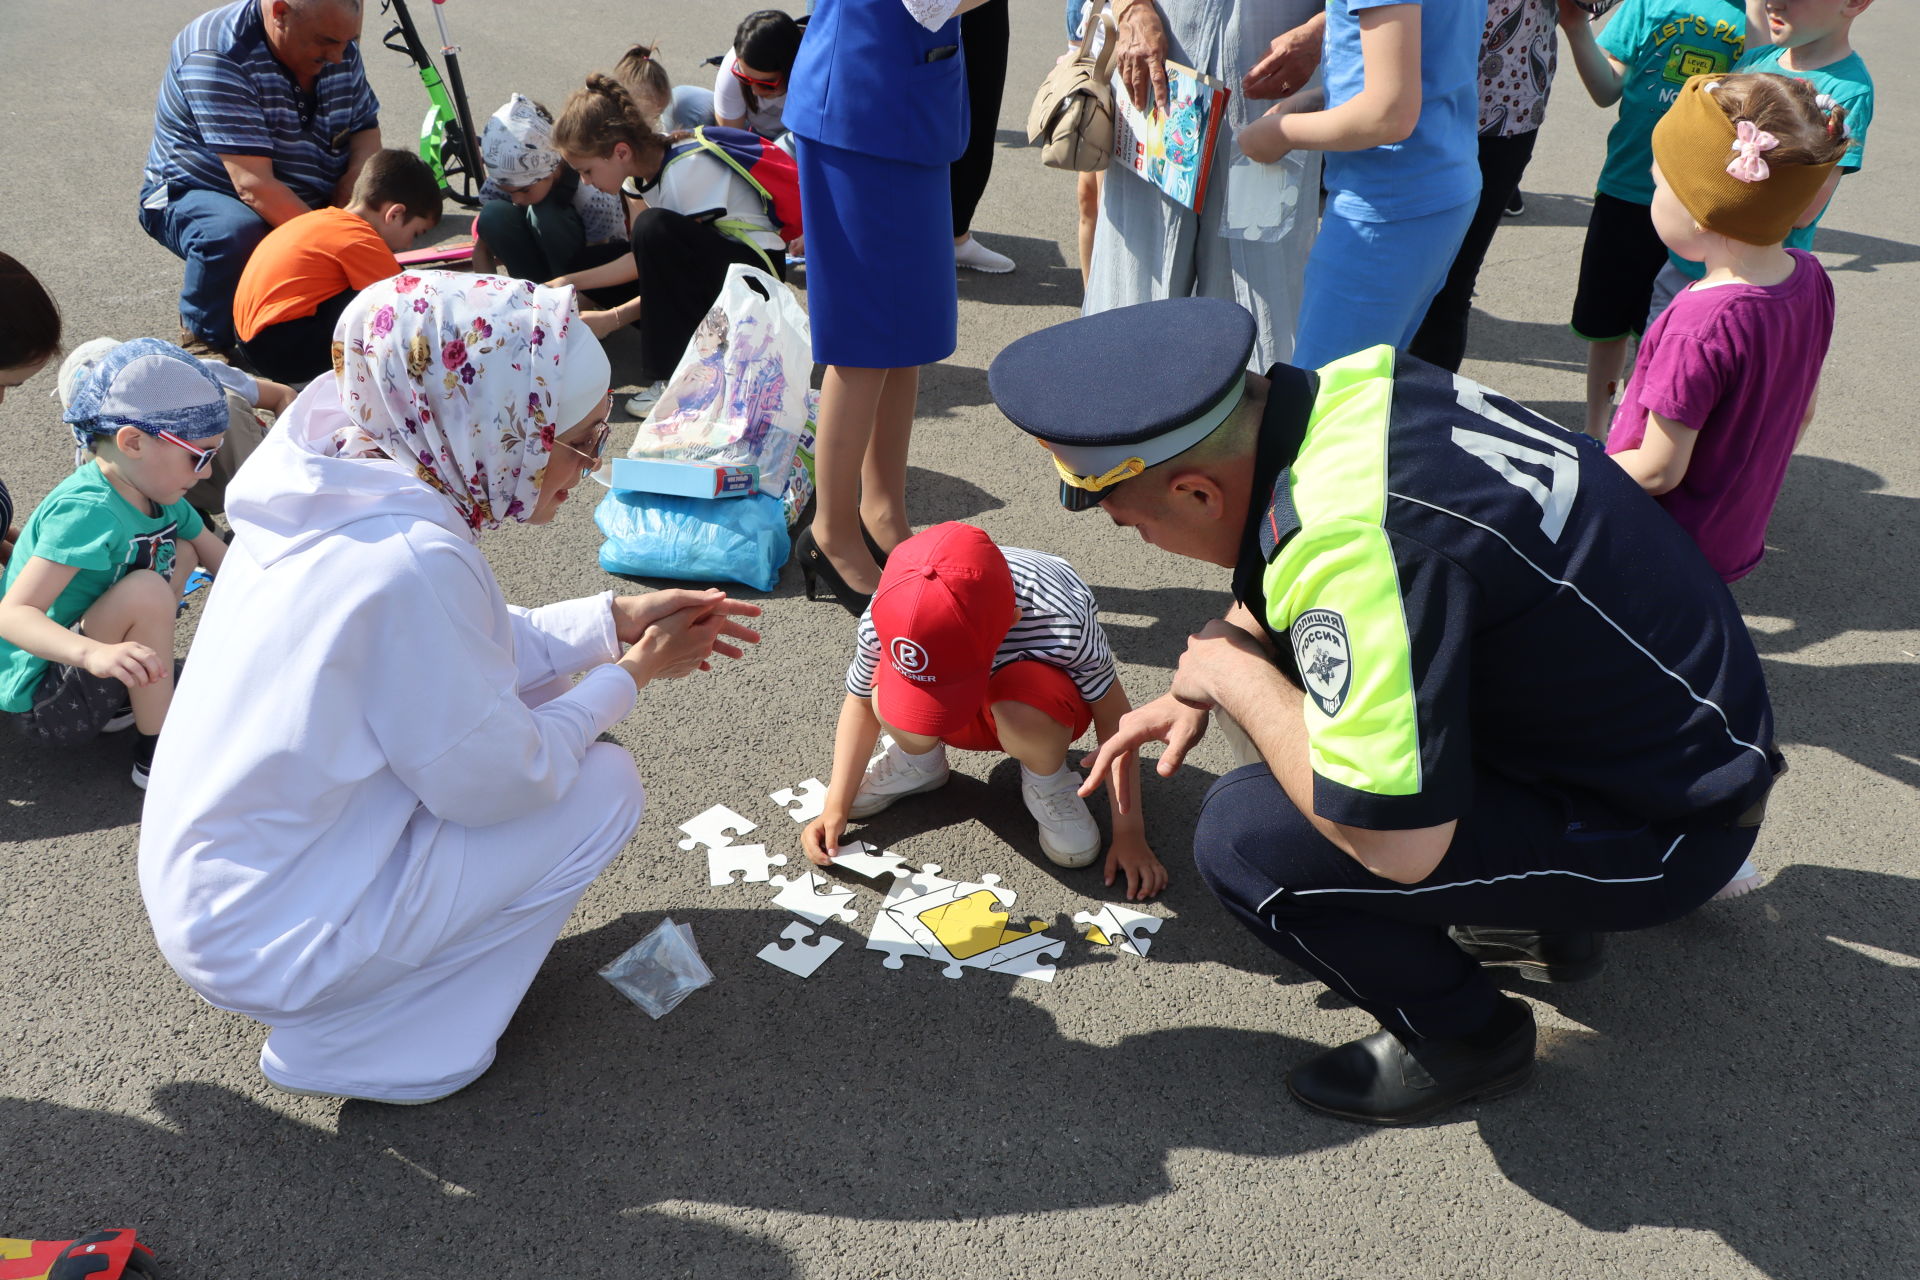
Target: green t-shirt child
column 1661, row 44
column 86, row 524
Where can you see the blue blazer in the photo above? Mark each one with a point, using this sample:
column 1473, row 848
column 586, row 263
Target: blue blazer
column 862, row 82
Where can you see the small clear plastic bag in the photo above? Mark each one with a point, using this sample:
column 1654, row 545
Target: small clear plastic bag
column 660, row 970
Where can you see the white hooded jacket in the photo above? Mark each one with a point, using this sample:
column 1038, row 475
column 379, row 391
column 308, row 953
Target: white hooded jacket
column 356, row 685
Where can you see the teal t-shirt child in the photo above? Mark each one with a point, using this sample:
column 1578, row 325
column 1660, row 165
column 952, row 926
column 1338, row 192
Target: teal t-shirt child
column 1661, row 44
column 1849, row 85
column 85, row 523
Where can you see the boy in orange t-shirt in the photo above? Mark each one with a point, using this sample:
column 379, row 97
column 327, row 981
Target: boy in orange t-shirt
column 303, row 275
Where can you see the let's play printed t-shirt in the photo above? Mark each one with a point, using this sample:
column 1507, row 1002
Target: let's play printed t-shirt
column 85, row 523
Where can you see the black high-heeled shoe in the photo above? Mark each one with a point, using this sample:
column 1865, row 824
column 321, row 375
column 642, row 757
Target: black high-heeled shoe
column 815, row 565
column 879, row 556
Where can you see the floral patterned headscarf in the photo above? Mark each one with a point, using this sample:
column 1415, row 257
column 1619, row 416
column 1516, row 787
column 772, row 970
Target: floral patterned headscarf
column 468, row 377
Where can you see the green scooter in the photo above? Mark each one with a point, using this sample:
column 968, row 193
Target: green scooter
column 448, row 142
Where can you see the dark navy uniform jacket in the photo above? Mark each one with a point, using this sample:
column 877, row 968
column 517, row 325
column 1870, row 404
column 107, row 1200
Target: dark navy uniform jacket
column 1458, row 584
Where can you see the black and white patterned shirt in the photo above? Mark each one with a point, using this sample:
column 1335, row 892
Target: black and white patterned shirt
column 1059, row 625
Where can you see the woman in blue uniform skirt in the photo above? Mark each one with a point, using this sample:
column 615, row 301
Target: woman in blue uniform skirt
column 878, row 107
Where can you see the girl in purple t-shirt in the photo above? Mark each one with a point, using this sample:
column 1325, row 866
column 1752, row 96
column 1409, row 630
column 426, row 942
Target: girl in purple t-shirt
column 1726, row 376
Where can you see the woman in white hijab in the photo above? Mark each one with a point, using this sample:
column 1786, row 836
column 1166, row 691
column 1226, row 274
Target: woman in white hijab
column 379, row 795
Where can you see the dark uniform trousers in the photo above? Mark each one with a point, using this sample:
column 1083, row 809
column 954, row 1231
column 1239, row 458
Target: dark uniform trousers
column 1523, row 858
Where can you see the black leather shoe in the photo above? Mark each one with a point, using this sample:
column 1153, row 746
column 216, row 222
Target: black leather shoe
column 1537, row 956
column 1381, row 1080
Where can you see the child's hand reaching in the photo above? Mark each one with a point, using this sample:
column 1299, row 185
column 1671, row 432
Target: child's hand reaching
column 1129, row 855
column 131, row 663
column 821, row 838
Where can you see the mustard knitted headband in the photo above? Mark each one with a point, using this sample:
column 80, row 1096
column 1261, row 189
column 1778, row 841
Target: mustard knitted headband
column 1719, row 171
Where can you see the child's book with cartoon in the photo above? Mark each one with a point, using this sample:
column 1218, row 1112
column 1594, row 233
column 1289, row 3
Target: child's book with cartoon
column 1173, row 151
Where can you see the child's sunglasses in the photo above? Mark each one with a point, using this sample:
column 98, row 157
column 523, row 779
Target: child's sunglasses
column 771, row 86
column 202, row 458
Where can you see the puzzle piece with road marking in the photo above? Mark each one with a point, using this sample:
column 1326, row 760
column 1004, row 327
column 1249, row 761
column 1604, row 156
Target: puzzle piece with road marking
column 814, row 899
column 960, row 926
column 1121, row 927
column 861, row 859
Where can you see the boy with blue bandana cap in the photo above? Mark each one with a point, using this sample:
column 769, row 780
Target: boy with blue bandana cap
column 87, row 612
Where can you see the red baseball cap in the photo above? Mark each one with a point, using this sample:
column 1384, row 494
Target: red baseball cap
column 944, row 604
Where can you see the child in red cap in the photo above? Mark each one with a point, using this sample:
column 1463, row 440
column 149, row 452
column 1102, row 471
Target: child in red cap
column 973, row 646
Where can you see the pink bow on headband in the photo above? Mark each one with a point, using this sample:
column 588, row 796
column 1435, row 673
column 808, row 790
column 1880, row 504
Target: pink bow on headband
column 1749, row 142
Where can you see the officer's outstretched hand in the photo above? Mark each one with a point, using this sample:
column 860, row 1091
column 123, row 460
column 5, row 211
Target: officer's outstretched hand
column 1166, row 719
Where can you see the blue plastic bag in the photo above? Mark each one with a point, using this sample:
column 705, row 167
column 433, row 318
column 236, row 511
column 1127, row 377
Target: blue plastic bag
column 651, row 535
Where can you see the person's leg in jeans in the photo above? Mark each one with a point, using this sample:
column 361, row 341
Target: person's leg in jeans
column 214, row 234
column 1442, row 337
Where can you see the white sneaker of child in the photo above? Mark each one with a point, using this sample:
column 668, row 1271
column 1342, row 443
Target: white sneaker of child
column 1745, row 881
column 894, row 775
column 1068, row 834
column 971, row 255
column 641, row 402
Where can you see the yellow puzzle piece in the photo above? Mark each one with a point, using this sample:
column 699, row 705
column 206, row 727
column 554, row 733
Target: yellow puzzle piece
column 973, row 924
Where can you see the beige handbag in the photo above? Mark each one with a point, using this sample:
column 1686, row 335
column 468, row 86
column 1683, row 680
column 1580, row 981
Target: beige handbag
column 1072, row 116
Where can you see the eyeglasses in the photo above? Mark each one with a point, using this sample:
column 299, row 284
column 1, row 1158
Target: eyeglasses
column 202, row 458
column 770, row 86
column 592, row 457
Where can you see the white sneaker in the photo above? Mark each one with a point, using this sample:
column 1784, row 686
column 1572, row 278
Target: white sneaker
column 1744, row 881
column 894, row 775
column 641, row 402
column 1068, row 834
column 974, row 256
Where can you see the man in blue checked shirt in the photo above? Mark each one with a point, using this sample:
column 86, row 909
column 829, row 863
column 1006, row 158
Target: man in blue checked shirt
column 264, row 114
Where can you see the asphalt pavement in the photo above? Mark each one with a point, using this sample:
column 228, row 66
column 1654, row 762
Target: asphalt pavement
column 1733, row 1098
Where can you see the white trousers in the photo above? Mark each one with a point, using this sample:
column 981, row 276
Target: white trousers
column 410, row 1033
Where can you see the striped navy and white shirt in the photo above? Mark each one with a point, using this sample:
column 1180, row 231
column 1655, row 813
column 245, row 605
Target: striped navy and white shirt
column 226, row 94
column 1059, row 625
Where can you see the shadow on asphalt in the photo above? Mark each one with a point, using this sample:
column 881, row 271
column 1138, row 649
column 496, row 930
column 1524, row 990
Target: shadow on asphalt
column 1150, row 626
column 1718, row 1090
column 1738, row 1078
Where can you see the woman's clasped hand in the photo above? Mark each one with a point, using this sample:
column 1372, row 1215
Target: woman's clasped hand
column 669, row 634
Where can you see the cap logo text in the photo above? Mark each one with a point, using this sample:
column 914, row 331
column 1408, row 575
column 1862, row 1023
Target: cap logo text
column 909, row 659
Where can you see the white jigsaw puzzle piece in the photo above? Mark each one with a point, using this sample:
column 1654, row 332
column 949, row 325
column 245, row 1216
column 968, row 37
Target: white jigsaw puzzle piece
column 1026, row 958
column 913, row 884
column 807, row 952
column 803, row 801
column 889, row 937
column 1121, row 927
column 752, row 861
column 861, row 859
column 814, row 899
column 715, row 828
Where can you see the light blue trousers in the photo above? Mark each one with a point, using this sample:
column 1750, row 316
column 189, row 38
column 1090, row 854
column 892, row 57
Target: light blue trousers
column 1370, row 282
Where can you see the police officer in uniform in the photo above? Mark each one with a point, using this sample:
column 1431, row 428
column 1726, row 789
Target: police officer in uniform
column 1481, row 731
